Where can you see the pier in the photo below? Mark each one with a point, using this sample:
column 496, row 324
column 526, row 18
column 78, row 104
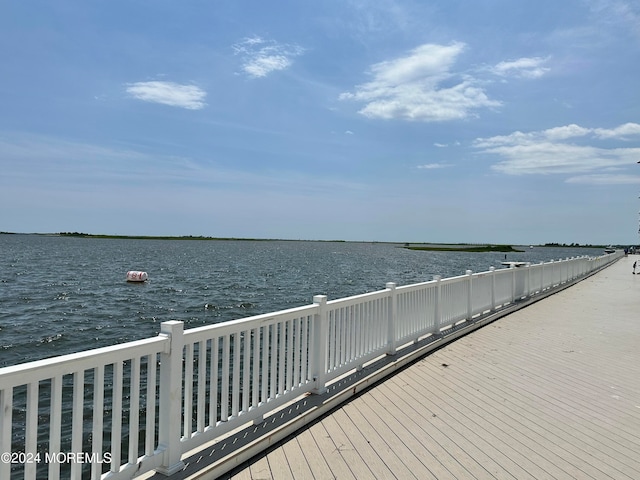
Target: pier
column 549, row 391
column 370, row 386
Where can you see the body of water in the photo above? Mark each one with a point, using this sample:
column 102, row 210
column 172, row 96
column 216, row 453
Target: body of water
column 61, row 295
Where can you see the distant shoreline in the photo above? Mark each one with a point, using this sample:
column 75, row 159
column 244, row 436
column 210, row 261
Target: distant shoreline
column 466, row 248
column 426, row 246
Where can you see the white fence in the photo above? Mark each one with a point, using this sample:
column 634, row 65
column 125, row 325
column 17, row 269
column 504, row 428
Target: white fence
column 117, row 412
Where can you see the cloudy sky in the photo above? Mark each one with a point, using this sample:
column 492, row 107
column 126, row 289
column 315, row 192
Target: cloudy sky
column 504, row 121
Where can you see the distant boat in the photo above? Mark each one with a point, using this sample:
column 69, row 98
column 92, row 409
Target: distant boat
column 609, row 249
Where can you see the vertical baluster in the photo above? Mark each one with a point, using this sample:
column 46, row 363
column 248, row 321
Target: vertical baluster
column 255, row 390
column 343, row 336
column 348, row 325
column 150, row 420
column 246, row 390
column 370, row 324
column 264, row 371
column 357, row 329
column 116, row 418
column 348, row 344
column 55, row 424
column 297, row 333
column 77, row 422
column 235, row 378
column 31, row 433
column 304, row 372
column 6, row 429
column 213, row 382
column 273, row 358
column 337, row 318
column 289, row 367
column 224, row 393
column 282, row 347
column 332, row 339
column 380, row 327
column 98, row 419
column 187, row 402
column 367, row 324
column 134, row 410
column 202, row 385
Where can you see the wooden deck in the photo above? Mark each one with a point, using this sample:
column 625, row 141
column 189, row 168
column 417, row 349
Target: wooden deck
column 550, row 391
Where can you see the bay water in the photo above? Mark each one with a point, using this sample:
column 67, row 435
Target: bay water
column 61, row 294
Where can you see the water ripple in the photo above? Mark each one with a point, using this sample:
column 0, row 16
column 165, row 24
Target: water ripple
column 64, row 295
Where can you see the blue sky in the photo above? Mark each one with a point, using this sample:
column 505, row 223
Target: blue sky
column 501, row 121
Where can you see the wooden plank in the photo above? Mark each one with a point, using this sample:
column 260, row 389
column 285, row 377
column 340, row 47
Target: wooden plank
column 346, row 448
column 313, row 455
column 411, row 398
column 260, row 469
column 279, row 466
column 509, row 436
column 378, row 437
column 296, row 459
column 425, row 442
column 591, row 418
column 330, row 451
column 362, row 447
column 484, row 443
column 404, row 441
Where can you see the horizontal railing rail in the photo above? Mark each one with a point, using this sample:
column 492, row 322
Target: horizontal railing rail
column 118, row 412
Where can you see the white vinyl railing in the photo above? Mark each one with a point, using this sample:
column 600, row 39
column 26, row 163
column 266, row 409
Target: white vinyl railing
column 117, row 412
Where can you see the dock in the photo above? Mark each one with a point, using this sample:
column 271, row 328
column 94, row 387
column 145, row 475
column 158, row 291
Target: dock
column 550, row 391
column 527, row 372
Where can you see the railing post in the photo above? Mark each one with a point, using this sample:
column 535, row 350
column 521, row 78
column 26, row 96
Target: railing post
column 6, row 412
column 437, row 307
column 171, row 398
column 513, row 282
column 527, row 290
column 470, row 295
column 320, row 344
column 493, row 287
column 392, row 318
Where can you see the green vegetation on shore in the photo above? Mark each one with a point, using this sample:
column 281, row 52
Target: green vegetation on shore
column 184, row 237
column 442, row 247
column 147, row 237
column 464, row 248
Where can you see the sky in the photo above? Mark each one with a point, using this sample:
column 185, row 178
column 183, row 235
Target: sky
column 448, row 121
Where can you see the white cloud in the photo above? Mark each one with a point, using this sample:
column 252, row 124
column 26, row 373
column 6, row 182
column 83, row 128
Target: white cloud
column 621, row 132
column 420, row 86
column 522, row 68
column 262, row 57
column 169, row 93
column 568, row 131
column 547, row 152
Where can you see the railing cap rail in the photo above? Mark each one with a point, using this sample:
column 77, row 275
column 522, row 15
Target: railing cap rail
column 24, row 373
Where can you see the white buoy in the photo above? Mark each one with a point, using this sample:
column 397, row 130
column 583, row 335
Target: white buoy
column 136, row 276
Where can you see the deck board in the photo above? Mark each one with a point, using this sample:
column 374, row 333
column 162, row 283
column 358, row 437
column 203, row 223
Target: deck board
column 550, row 391
column 315, row 460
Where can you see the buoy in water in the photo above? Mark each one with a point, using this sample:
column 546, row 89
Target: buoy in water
column 136, row 276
